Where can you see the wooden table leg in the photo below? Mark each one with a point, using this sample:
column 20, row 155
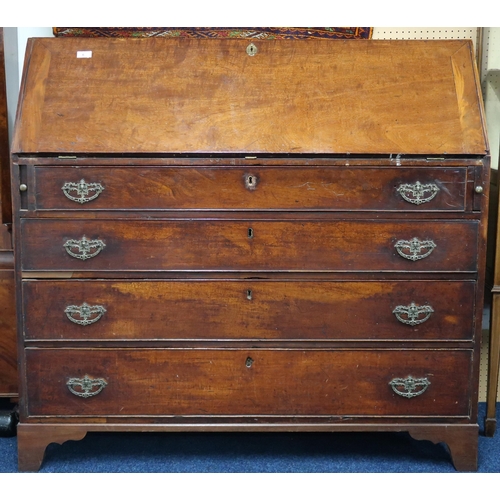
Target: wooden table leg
column 490, row 422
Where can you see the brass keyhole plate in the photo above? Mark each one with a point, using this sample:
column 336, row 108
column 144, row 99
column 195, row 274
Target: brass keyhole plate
column 251, row 181
column 252, row 50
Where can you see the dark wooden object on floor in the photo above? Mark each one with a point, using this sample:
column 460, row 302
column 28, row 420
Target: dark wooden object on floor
column 8, row 350
column 225, row 235
column 5, row 194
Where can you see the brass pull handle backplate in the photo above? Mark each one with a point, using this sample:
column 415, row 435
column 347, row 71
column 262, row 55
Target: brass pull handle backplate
column 87, row 314
column 82, row 192
column 418, row 193
column 409, row 387
column 84, row 249
column 411, row 315
column 88, row 386
column 414, row 249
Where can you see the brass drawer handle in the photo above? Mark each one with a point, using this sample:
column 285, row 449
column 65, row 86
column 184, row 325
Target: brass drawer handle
column 88, row 314
column 412, row 249
column 409, row 315
column 88, row 386
column 418, row 193
column 86, row 248
column 409, row 387
column 84, row 191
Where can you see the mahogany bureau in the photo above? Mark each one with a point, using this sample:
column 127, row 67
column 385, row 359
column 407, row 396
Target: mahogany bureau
column 236, row 235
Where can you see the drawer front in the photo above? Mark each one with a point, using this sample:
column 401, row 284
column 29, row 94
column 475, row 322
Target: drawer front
column 217, row 245
column 248, row 382
column 250, row 188
column 239, row 310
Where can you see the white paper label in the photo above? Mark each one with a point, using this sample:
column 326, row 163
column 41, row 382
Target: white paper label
column 83, row 54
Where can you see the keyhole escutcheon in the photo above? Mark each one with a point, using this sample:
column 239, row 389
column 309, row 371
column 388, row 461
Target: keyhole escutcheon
column 251, row 49
column 251, row 182
column 250, row 232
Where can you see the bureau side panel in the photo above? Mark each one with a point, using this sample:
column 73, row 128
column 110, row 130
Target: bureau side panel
column 8, row 348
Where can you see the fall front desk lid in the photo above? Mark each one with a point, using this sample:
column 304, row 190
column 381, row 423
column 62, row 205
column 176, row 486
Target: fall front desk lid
column 237, row 97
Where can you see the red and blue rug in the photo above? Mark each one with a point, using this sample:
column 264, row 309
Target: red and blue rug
column 258, row 33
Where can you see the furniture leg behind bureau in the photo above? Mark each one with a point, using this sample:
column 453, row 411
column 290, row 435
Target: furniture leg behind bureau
column 490, row 422
column 8, row 344
column 234, row 235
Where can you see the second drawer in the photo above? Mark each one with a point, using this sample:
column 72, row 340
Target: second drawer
column 249, row 245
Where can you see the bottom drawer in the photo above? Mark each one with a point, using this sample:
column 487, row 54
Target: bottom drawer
column 275, row 382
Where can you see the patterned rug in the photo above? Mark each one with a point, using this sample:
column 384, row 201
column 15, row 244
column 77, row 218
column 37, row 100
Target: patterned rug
column 260, row 33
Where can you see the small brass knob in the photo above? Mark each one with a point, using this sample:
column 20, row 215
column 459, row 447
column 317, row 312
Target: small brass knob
column 479, row 189
column 23, row 187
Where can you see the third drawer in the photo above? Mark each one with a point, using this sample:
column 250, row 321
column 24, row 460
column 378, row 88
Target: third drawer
column 240, row 309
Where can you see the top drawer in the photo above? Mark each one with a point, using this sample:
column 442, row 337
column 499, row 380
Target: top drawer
column 249, row 188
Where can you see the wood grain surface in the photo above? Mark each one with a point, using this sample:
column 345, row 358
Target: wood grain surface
column 193, row 97
column 247, row 309
column 251, row 188
column 247, row 382
column 252, row 245
column 8, row 341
